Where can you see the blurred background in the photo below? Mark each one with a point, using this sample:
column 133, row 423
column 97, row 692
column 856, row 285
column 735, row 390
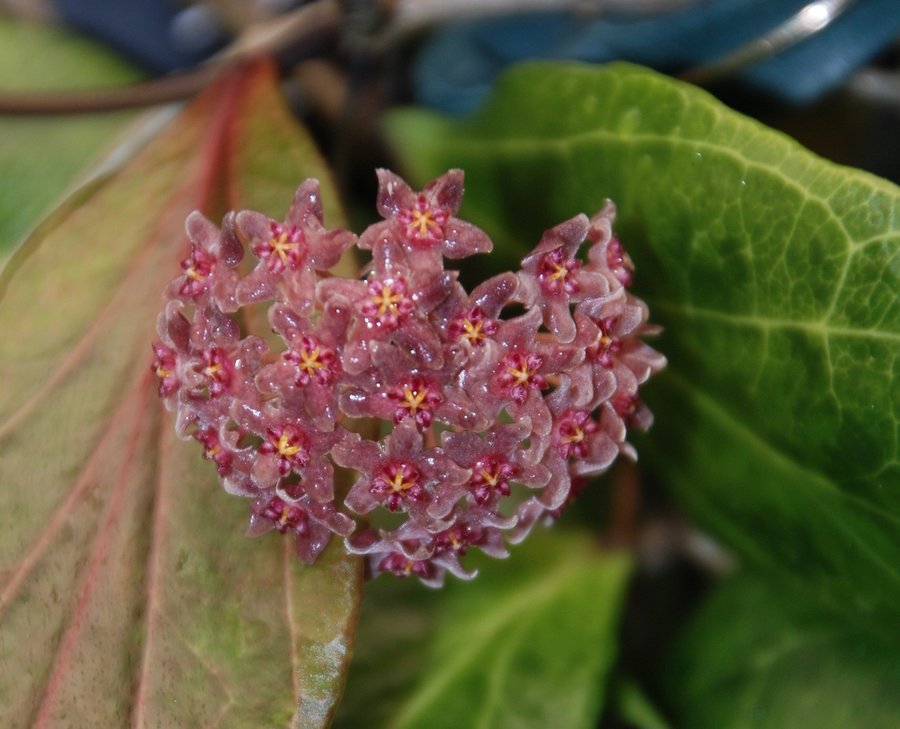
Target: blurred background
column 826, row 72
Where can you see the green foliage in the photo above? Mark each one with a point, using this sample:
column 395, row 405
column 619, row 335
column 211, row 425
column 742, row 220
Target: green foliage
column 756, row 657
column 529, row 643
column 40, row 156
column 634, row 709
column 775, row 275
column 128, row 595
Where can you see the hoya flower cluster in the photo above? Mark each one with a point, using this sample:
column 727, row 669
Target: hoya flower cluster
column 396, row 410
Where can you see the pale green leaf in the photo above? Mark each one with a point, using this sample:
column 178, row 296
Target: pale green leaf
column 128, row 593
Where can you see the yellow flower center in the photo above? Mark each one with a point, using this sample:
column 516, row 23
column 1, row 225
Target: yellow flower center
column 559, row 272
column 521, row 375
column 192, row 272
column 421, row 224
column 282, row 246
column 399, row 484
column 413, row 399
column 473, row 330
column 575, row 436
column 285, row 448
column 387, row 301
column 491, row 478
column 310, row 362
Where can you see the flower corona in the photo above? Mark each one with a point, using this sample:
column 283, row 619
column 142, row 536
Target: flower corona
column 395, row 410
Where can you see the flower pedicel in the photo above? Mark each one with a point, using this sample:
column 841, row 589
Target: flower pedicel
column 489, row 415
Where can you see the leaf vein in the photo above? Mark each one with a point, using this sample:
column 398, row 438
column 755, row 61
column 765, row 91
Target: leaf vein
column 543, row 591
column 763, row 322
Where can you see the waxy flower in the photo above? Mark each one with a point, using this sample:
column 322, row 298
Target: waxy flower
column 395, row 410
column 165, row 366
column 426, row 221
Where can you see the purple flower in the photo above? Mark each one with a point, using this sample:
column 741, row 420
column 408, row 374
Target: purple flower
column 214, row 450
column 425, row 221
column 462, row 418
column 496, row 460
column 289, row 252
column 401, row 473
column 606, row 250
column 197, row 270
column 553, row 277
column 165, row 367
column 310, row 524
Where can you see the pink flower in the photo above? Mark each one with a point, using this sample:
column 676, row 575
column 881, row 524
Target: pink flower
column 310, row 524
column 285, row 516
column 288, row 445
column 415, row 398
column 289, row 252
column 197, row 270
column 216, row 370
column 313, row 361
column 472, row 326
column 422, row 223
column 462, row 419
column 553, row 277
column 387, row 303
column 214, row 450
column 165, row 367
column 425, row 221
column 606, row 250
column 518, row 373
column 399, row 474
column 308, row 373
column 403, row 566
column 284, row 248
column 207, row 273
column 573, row 431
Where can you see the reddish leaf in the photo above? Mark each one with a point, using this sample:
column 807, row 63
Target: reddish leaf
column 128, row 594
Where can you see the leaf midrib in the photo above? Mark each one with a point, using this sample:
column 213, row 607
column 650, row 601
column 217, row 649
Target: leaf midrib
column 817, row 327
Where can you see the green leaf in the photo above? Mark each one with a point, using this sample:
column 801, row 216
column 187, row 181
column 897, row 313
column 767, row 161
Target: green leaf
column 775, row 274
column 632, row 707
column 758, row 657
column 40, row 156
column 529, row 643
column 128, row 594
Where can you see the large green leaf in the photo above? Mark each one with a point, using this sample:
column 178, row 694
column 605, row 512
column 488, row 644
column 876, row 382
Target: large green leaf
column 40, row 156
column 759, row 658
column 775, row 274
column 529, row 643
column 128, row 594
